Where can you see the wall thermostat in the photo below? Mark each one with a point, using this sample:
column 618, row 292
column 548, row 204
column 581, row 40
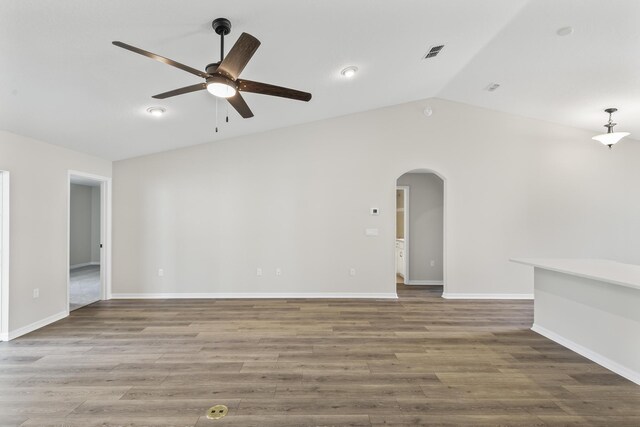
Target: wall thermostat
column 375, row 211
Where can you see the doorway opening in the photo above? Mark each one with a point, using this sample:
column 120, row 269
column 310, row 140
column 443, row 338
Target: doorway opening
column 4, row 255
column 420, row 230
column 87, row 260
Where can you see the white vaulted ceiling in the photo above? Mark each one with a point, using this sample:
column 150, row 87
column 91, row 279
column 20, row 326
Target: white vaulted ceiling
column 568, row 80
column 62, row 81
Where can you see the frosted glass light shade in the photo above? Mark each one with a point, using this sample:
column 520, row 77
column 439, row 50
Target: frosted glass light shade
column 611, row 138
column 221, row 90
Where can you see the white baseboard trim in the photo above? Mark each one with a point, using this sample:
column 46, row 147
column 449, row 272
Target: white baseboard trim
column 601, row 360
column 449, row 295
column 424, row 282
column 36, row 325
column 223, row 295
column 85, row 264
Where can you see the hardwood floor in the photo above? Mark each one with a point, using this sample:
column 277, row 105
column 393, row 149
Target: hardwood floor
column 421, row 360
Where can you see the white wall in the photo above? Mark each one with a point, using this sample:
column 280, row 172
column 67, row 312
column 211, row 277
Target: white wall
column 426, row 225
column 80, row 225
column 299, row 199
column 39, row 215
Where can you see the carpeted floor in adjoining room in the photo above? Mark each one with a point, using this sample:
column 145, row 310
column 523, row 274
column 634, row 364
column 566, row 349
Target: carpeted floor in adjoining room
column 84, row 286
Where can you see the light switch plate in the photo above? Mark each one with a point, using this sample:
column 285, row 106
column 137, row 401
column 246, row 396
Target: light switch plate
column 371, row 231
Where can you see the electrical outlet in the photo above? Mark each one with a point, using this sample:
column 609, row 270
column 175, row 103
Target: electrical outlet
column 258, row 271
column 160, row 272
column 36, row 293
column 278, row 272
column 352, row 272
column 432, row 263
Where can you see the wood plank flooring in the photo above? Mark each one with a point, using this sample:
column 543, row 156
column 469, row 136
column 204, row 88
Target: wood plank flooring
column 421, row 360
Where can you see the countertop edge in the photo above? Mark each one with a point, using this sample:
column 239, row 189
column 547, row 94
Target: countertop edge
column 538, row 263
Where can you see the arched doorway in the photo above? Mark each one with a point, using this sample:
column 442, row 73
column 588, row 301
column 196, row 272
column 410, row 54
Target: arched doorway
column 420, row 231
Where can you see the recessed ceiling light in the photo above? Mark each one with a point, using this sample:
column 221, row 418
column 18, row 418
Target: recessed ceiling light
column 349, row 71
column 564, row 31
column 156, row 111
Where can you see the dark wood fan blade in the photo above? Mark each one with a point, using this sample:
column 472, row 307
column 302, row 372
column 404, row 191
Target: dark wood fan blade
column 267, row 89
column 162, row 59
column 181, row 91
column 237, row 102
column 239, row 55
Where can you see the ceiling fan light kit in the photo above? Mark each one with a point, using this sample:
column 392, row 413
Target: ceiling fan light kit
column 221, row 87
column 221, row 78
column 610, row 138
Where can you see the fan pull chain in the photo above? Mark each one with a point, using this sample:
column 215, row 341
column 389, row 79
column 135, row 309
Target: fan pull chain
column 227, row 112
column 216, row 114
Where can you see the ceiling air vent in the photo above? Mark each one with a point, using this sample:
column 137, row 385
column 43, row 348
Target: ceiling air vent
column 433, row 51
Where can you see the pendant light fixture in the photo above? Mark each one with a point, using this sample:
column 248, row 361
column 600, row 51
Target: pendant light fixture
column 610, row 137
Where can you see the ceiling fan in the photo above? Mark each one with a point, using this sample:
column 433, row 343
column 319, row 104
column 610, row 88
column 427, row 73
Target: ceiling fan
column 221, row 78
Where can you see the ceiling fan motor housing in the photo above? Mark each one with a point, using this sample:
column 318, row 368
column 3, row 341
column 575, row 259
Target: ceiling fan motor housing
column 212, row 68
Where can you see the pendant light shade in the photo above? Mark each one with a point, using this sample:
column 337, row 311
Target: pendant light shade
column 610, row 138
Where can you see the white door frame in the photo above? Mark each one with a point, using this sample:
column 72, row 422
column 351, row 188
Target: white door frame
column 406, row 189
column 105, row 231
column 4, row 261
